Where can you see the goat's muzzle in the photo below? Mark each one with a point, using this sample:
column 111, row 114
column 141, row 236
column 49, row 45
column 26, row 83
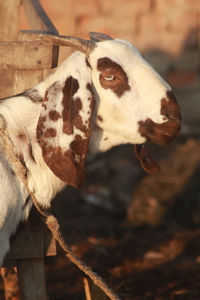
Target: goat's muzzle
column 164, row 133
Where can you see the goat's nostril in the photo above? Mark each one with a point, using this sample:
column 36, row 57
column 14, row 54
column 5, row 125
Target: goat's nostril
column 170, row 108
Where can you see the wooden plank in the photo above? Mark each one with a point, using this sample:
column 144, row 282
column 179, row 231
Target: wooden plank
column 27, row 244
column 25, row 80
column 34, row 35
column 9, row 17
column 35, row 55
column 9, row 263
column 37, row 17
column 32, row 282
column 6, row 85
column 24, row 244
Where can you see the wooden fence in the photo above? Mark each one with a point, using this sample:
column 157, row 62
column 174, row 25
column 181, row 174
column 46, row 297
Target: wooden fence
column 25, row 62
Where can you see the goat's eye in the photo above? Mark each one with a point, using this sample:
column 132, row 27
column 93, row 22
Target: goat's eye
column 109, row 77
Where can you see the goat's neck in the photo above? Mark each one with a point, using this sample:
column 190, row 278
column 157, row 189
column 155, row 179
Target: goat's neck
column 102, row 140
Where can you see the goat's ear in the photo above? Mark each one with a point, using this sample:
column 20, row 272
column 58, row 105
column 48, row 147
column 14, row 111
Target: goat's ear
column 99, row 37
column 63, row 129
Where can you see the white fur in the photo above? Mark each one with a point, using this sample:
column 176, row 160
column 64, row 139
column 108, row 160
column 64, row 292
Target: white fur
column 120, row 125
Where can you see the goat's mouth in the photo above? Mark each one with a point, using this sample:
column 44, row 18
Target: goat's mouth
column 159, row 134
column 146, row 160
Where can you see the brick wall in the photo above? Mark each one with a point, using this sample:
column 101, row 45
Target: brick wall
column 166, row 31
column 167, row 25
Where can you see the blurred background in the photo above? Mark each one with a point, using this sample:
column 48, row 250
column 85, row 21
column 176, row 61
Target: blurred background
column 141, row 232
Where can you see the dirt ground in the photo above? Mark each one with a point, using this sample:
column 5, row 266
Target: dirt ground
column 157, row 257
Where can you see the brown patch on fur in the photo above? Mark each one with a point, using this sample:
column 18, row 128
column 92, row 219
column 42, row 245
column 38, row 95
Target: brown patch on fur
column 79, row 146
column 169, row 107
column 70, row 88
column 54, row 115
column 76, row 145
column 100, row 119
column 89, row 87
column 67, row 165
column 40, row 127
column 69, row 154
column 79, row 149
column 119, row 85
column 76, row 118
column 21, row 136
column 30, row 151
column 62, row 165
column 50, row 133
column 45, row 98
column 164, row 133
column 72, row 107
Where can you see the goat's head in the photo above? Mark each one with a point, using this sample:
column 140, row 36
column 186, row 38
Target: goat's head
column 133, row 104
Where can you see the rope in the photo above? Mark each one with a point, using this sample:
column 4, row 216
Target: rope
column 51, row 220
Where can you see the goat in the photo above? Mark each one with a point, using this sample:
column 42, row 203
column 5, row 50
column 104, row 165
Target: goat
column 103, row 95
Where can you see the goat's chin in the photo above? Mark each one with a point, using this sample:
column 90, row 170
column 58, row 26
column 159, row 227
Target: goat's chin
column 161, row 139
column 159, row 134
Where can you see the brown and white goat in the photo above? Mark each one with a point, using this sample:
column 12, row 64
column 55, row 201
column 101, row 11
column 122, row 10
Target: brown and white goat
column 103, row 96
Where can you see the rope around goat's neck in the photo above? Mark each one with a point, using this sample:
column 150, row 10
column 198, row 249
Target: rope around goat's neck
column 51, row 220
